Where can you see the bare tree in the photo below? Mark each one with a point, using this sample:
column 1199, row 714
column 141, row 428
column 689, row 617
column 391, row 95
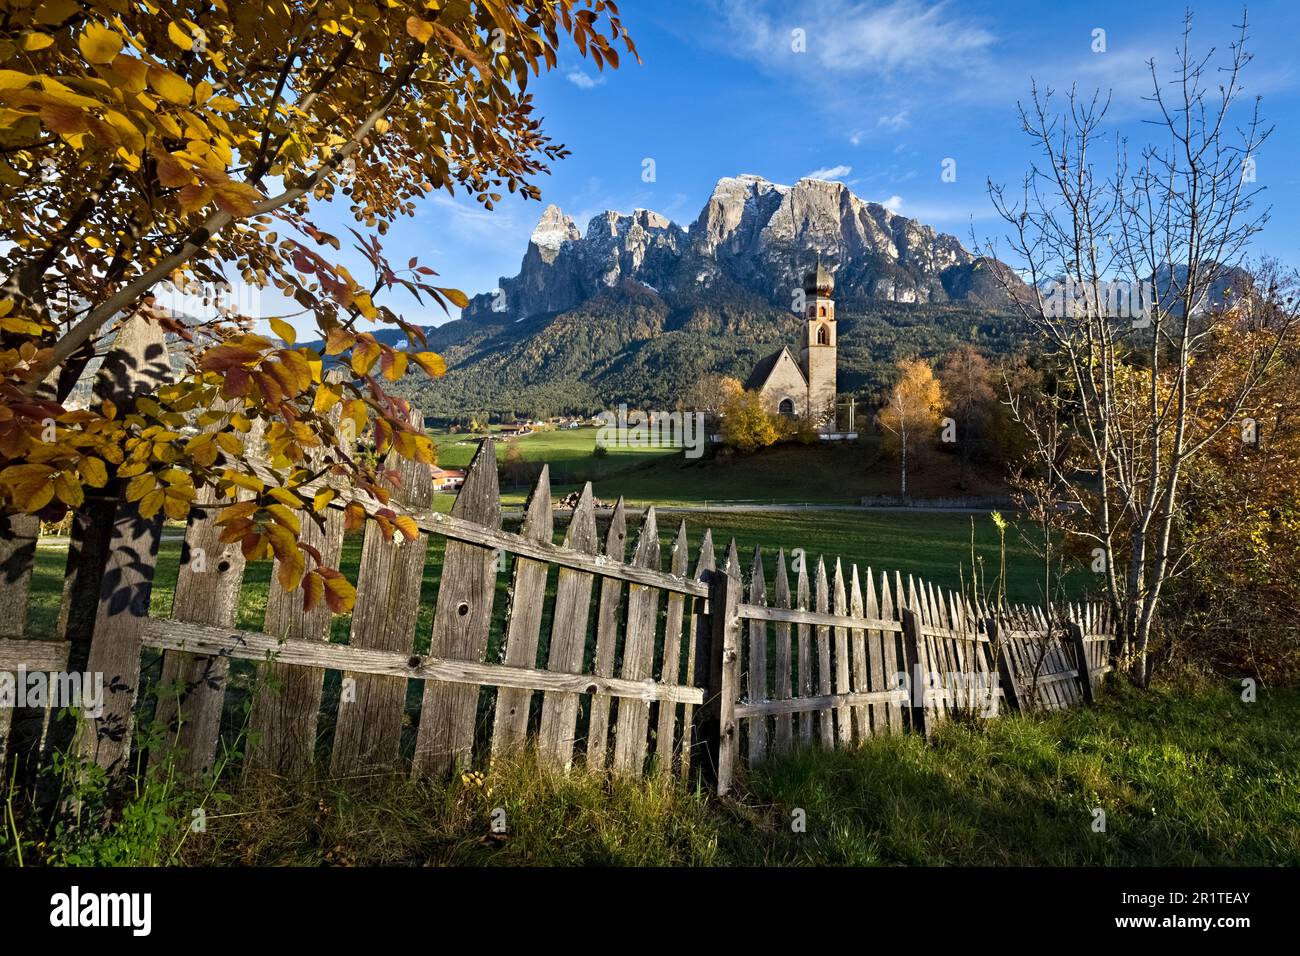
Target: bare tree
column 1140, row 258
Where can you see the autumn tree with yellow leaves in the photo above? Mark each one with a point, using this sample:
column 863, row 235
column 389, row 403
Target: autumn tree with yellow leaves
column 911, row 416
column 189, row 142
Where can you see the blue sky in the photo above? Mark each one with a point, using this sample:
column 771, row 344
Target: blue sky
column 883, row 94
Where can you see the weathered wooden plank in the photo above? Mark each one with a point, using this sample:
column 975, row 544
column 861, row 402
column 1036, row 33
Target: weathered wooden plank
column 22, row 655
column 368, row 732
column 754, row 612
column 917, row 666
column 192, row 690
column 757, row 670
column 670, row 669
column 1002, row 660
column 858, row 651
column 937, row 650
column 611, row 595
column 798, row 705
column 287, row 702
column 804, row 638
column 784, row 738
column 32, row 656
column 875, row 651
column 698, row 655
column 462, row 619
column 569, row 620
column 894, row 663
column 956, row 652
column 166, row 634
column 18, row 534
column 723, row 733
column 825, row 718
column 843, row 685
column 524, row 624
column 638, row 654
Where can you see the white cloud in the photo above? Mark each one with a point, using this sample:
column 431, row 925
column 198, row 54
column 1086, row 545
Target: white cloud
column 894, row 204
column 892, row 123
column 830, row 173
column 582, row 81
column 853, row 36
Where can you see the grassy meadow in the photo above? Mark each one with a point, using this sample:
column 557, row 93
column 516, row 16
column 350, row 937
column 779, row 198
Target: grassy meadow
column 830, row 473
column 1186, row 776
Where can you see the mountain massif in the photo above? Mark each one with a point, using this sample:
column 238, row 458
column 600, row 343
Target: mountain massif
column 638, row 308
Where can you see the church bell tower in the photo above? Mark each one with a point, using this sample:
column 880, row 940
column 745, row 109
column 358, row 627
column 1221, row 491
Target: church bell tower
column 817, row 356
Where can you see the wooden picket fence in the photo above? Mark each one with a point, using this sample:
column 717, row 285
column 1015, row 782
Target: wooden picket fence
column 664, row 662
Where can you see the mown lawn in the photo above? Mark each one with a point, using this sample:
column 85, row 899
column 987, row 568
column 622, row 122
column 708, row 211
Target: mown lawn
column 1184, row 777
column 838, row 473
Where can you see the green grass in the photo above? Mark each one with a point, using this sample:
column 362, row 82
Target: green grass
column 836, row 473
column 568, row 452
column 1185, row 779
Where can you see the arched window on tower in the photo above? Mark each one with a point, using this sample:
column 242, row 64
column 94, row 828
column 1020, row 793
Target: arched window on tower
column 822, row 312
column 786, row 407
column 823, row 337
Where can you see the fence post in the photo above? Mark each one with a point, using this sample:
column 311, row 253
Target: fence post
column 917, row 667
column 111, row 577
column 1082, row 664
column 717, row 718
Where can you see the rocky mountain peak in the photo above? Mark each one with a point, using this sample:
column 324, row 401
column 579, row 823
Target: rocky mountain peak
column 759, row 234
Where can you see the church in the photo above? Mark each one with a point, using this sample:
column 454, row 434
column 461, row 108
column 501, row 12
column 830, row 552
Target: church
column 805, row 387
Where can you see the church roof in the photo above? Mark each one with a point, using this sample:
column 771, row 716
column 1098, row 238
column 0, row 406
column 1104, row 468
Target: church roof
column 758, row 378
column 818, row 280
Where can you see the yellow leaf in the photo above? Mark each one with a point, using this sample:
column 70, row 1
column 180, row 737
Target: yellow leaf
column 93, row 472
column 136, row 72
column 406, row 524
column 169, row 85
column 431, row 362
column 340, row 595
column 418, row 29
column 32, row 42
column 290, row 568
column 284, row 516
column 140, row 486
column 179, row 36
column 327, row 396
column 283, row 541
column 13, row 80
column 364, row 355
column 99, row 44
column 176, row 504
column 152, row 502
column 194, row 196
column 223, row 103
column 284, row 330
column 322, row 499
column 364, row 304
column 285, row 497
